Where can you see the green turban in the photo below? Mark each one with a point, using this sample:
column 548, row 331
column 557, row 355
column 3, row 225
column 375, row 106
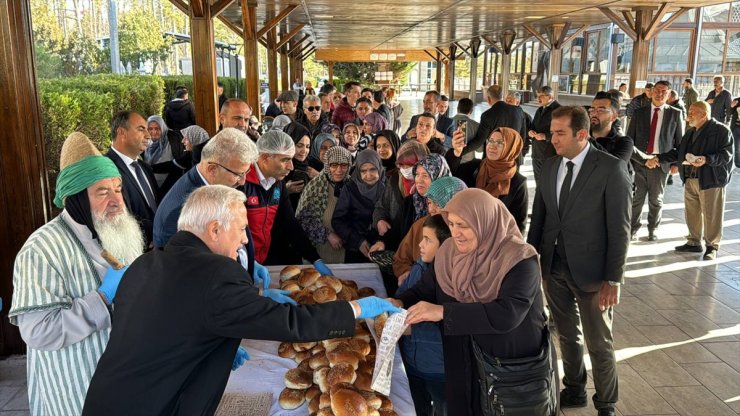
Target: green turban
column 80, row 175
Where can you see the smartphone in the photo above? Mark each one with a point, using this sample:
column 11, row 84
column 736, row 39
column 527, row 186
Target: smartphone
column 463, row 126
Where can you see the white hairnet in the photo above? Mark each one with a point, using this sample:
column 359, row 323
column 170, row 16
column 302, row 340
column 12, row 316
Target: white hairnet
column 275, row 142
column 280, row 122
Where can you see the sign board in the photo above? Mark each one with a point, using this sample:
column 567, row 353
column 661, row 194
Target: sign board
column 555, row 78
column 640, row 84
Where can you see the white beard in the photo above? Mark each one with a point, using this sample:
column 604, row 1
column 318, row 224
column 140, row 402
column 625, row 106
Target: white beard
column 120, row 236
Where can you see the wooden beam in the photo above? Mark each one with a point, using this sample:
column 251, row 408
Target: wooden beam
column 629, row 18
column 520, row 43
column 285, row 38
column 489, row 40
column 544, row 42
column 220, row 6
column 619, row 22
column 651, row 30
column 563, row 34
column 307, row 54
column 300, row 49
column 465, row 51
column 197, row 8
column 430, row 55
column 234, row 28
column 276, row 20
column 181, row 5
column 272, row 65
column 575, row 34
column 295, row 45
column 673, row 18
column 363, row 55
column 442, row 52
column 203, row 46
column 251, row 58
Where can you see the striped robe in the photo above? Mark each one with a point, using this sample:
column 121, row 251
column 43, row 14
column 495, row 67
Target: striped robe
column 51, row 269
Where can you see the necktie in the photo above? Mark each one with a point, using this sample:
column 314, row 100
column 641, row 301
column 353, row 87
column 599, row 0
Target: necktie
column 144, row 186
column 653, row 128
column 565, row 189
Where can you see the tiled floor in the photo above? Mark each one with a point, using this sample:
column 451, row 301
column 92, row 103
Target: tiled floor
column 677, row 328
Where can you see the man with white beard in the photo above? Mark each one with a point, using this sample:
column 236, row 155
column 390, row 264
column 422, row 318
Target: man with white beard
column 66, row 276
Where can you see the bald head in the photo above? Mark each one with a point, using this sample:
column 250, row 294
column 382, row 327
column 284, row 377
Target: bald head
column 699, row 113
column 235, row 113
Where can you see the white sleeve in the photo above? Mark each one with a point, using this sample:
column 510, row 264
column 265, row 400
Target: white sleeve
column 58, row 328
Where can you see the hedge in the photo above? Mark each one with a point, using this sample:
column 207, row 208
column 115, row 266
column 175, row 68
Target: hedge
column 172, row 82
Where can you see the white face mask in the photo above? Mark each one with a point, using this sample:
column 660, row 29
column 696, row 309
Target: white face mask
column 407, row 173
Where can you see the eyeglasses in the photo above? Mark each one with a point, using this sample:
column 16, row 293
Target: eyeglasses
column 598, row 110
column 237, row 174
column 335, row 166
column 314, row 108
column 495, row 143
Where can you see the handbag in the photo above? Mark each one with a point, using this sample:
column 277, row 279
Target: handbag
column 517, row 386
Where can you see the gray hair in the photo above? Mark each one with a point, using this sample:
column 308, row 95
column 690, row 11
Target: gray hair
column 228, row 143
column 515, row 95
column 311, row 98
column 209, row 203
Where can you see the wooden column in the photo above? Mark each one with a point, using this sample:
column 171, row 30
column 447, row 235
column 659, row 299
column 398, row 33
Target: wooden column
column 505, row 70
column 272, row 65
column 284, row 72
column 557, row 36
column 640, row 48
column 440, row 63
column 204, row 68
column 251, row 59
column 330, row 64
column 25, row 201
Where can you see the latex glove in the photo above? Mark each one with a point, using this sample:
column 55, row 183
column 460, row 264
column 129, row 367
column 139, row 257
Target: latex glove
column 321, row 268
column 278, row 295
column 111, row 280
column 261, row 275
column 373, row 306
column 241, row 357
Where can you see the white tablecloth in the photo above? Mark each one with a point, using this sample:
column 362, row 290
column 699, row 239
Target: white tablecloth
column 265, row 370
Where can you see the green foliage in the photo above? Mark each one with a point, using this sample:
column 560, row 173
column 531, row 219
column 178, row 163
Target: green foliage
column 80, row 55
column 362, row 72
column 87, row 104
column 314, row 70
column 141, row 39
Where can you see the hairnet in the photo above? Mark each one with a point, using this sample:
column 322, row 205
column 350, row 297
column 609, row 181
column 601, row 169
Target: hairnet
column 275, row 142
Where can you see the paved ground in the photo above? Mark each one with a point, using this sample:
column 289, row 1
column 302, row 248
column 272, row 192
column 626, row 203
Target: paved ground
column 677, row 328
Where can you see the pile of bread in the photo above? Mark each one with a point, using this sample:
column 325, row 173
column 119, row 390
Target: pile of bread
column 333, row 376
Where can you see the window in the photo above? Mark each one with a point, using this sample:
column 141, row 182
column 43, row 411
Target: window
column 735, row 12
column 672, row 51
column 717, row 14
column 733, row 53
column 598, row 51
column 688, row 17
column 624, row 56
column 710, row 51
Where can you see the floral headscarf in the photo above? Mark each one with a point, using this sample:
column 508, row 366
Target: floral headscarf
column 436, row 165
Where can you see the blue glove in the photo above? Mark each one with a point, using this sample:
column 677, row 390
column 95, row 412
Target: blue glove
column 111, row 280
column 321, row 268
column 241, row 357
column 261, row 275
column 279, row 296
column 373, row 306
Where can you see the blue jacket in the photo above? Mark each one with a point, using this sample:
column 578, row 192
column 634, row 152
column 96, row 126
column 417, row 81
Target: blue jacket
column 168, row 212
column 422, row 350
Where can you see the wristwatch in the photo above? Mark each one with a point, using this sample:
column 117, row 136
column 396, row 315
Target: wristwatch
column 613, row 283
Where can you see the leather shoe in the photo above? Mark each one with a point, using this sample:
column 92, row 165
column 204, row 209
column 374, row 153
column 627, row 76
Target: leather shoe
column 688, row 248
column 652, row 237
column 711, row 253
column 568, row 399
column 607, row 412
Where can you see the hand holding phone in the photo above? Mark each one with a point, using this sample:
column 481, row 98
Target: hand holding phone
column 462, row 125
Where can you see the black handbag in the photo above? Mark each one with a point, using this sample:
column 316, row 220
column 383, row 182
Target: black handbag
column 518, row 386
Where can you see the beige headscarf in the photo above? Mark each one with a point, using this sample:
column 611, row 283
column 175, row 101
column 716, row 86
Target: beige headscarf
column 477, row 276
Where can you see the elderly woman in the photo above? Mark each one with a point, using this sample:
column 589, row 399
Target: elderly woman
column 485, row 287
column 318, row 201
column 192, row 139
column 497, row 173
column 302, row 173
column 387, row 143
column 353, row 215
column 165, row 148
column 439, row 194
column 319, row 146
column 351, row 139
column 388, row 209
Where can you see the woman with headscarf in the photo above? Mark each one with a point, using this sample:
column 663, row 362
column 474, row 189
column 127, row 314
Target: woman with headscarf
column 302, row 173
column 439, row 194
column 351, row 140
column 353, row 215
column 193, row 137
column 484, row 286
column 166, row 147
column 387, row 143
column 318, row 201
column 497, row 173
column 319, row 145
column 332, row 129
column 371, row 125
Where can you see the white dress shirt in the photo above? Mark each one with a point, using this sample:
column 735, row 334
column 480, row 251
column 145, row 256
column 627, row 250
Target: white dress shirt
column 563, row 170
column 266, row 183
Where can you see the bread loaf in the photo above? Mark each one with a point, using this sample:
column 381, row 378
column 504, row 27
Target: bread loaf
column 289, row 272
column 298, row 379
column 348, row 403
column 291, row 399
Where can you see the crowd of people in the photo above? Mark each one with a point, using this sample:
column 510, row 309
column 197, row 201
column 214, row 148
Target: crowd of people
column 169, row 233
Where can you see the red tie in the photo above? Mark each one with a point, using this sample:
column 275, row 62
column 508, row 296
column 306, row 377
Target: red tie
column 653, row 127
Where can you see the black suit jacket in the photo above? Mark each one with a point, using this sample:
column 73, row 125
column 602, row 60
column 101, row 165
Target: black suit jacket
column 543, row 149
column 669, row 136
column 134, row 197
column 499, row 115
column 444, row 125
column 179, row 316
column 596, row 223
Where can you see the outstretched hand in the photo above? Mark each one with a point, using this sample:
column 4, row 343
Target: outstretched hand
column 424, row 312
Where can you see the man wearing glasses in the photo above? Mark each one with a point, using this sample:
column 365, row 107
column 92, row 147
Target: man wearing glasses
column 313, row 119
column 603, row 112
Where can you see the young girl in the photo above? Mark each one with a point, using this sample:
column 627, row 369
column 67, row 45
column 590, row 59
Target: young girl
column 422, row 350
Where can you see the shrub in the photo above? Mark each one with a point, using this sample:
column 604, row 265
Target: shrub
column 172, row 82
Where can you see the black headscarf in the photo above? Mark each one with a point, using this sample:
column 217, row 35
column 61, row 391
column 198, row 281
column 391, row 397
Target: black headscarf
column 395, row 141
column 296, row 132
column 78, row 207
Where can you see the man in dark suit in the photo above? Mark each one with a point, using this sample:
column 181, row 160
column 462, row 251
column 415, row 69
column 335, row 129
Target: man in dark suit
column 499, row 115
column 129, row 140
column 580, row 226
column 182, row 312
column 655, row 128
column 721, row 101
column 539, row 136
column 443, row 124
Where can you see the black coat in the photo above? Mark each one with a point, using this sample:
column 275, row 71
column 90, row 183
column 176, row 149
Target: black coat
column 510, row 326
column 543, row 149
column 353, row 217
column 516, row 200
column 179, row 114
column 499, row 115
column 715, row 143
column 179, row 316
column 618, row 146
column 134, row 197
column 671, row 131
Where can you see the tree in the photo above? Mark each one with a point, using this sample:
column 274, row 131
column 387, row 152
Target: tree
column 141, row 39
